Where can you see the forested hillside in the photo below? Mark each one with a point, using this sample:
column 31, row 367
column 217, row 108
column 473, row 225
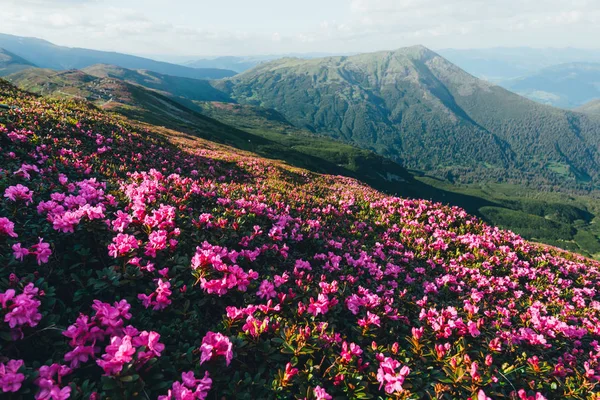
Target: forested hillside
column 419, row 109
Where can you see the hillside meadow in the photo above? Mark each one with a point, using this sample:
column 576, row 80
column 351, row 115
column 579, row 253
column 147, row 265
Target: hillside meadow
column 145, row 263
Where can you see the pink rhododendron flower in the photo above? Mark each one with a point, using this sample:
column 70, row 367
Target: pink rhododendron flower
column 19, row 252
column 118, row 353
column 321, row 394
column 10, row 378
column 388, row 376
column 266, row 290
column 19, row 193
column 7, row 227
column 190, row 388
column 216, row 344
column 122, row 244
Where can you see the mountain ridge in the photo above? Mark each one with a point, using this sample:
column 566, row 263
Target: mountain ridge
column 45, row 54
column 568, row 85
column 10, row 63
column 413, row 105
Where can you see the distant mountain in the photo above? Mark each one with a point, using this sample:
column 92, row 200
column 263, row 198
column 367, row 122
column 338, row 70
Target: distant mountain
column 565, row 85
column 505, row 63
column 419, row 109
column 187, row 88
column 11, row 63
column 592, row 107
column 238, row 64
column 47, row 55
column 241, row 64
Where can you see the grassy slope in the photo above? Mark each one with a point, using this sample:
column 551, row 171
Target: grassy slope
column 562, row 220
column 187, row 88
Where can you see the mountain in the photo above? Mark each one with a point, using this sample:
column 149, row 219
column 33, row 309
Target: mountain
column 47, row 55
column 566, row 85
column 592, row 107
column 238, row 64
column 10, row 63
column 301, row 149
column 506, row 63
column 417, row 108
column 562, row 220
column 241, row 64
column 187, row 88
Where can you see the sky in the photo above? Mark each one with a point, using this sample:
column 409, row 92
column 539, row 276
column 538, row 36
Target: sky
column 254, row 27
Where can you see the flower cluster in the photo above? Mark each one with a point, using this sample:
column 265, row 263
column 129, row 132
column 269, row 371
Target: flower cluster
column 189, row 388
column 21, row 309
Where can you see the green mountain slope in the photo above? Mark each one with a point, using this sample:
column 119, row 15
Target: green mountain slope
column 321, row 155
column 419, row 109
column 566, row 85
column 11, row 63
column 48, row 55
column 187, row 88
column 592, row 107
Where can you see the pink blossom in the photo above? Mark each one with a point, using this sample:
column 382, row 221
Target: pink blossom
column 216, row 344
column 19, row 192
column 266, row 290
column 7, row 227
column 191, row 388
column 19, row 252
column 388, row 376
column 321, row 394
column 10, row 378
column 118, row 353
column 122, row 244
column 41, row 251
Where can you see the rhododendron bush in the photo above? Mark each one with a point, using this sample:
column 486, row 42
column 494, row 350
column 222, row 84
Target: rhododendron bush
column 134, row 266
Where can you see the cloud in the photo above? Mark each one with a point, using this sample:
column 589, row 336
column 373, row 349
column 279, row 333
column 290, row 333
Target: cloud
column 353, row 25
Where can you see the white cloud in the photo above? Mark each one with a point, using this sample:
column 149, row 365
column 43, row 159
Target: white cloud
column 153, row 26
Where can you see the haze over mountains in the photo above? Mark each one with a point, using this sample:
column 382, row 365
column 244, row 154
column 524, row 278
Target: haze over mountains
column 565, row 85
column 47, row 55
column 499, row 64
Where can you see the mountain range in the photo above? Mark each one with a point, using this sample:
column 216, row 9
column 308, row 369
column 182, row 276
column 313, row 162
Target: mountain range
column 466, row 141
column 500, row 64
column 417, row 108
column 565, row 85
column 241, row 64
column 48, row 55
